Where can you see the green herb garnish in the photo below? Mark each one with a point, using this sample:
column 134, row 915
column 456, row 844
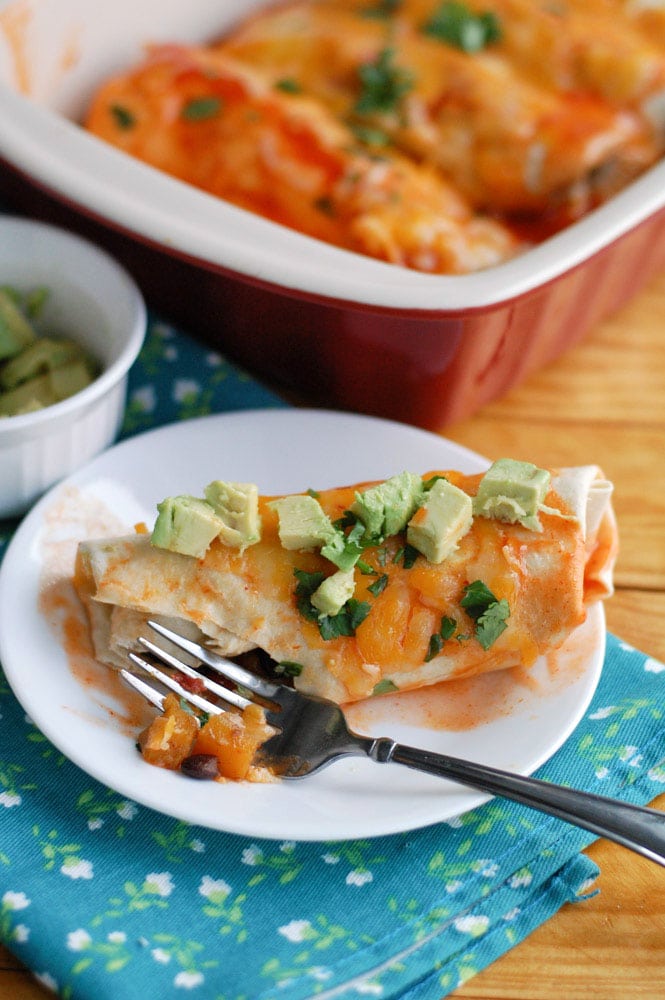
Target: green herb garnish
column 429, row 483
column 385, row 686
column 370, row 136
column 383, row 85
column 201, row 108
column 382, row 556
column 124, row 118
column 436, row 641
column 407, row 554
column 288, row 86
column 381, row 10
column 455, row 24
column 201, row 716
column 379, row 585
column 347, row 520
column 325, row 205
column 476, row 599
column 489, row 614
column 288, row 668
column 345, row 622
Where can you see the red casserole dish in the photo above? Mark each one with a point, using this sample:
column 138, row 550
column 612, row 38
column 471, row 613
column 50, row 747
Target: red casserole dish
column 332, row 326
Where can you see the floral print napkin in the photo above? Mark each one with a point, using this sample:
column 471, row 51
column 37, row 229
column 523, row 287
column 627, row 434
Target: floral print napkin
column 103, row 898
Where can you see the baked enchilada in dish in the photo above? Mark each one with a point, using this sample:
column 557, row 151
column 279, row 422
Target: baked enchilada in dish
column 438, row 135
column 369, row 589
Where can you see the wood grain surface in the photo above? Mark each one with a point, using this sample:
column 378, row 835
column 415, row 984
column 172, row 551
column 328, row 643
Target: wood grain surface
column 604, row 403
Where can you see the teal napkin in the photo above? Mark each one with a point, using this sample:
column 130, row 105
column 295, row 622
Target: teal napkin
column 103, row 898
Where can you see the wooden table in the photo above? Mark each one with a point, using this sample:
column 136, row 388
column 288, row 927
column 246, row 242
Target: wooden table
column 604, row 402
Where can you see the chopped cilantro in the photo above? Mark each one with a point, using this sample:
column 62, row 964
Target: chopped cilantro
column 379, row 585
column 407, row 554
column 288, row 668
column 436, row 641
column 201, row 716
column 476, row 599
column 385, row 686
column 124, row 118
column 434, row 647
column 489, row 613
column 201, row 108
column 448, row 626
column 325, row 205
column 492, row 623
column 288, row 86
column 305, row 587
column 370, row 136
column 345, row 622
column 429, row 483
column 382, row 84
column 347, row 520
column 382, row 9
column 455, row 24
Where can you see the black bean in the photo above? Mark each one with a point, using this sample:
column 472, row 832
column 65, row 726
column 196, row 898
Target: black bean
column 203, row 766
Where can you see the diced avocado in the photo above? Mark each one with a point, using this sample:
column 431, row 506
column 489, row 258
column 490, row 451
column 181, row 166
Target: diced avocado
column 385, row 509
column 185, row 524
column 41, row 356
column 69, row 378
column 438, row 526
column 31, row 395
column 15, row 331
column 45, row 390
column 512, row 491
column 237, row 506
column 303, row 524
column 330, row 596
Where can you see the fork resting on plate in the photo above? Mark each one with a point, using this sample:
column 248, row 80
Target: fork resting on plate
column 312, row 733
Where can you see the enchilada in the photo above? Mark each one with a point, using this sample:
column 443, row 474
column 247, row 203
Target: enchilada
column 506, row 592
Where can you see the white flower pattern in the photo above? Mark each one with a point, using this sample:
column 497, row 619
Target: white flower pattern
column 78, row 940
column 296, row 930
column 309, row 911
column 15, row 900
column 77, row 868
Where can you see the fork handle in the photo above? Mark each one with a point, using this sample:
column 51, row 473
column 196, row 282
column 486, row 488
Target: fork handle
column 636, row 827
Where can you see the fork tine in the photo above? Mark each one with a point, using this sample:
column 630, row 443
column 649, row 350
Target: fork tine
column 147, row 690
column 231, row 696
column 227, row 668
column 173, row 685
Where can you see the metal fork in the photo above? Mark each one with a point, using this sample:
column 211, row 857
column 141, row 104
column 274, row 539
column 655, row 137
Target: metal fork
column 313, row 732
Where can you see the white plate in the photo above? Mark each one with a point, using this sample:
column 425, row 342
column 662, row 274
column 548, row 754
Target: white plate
column 282, row 451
